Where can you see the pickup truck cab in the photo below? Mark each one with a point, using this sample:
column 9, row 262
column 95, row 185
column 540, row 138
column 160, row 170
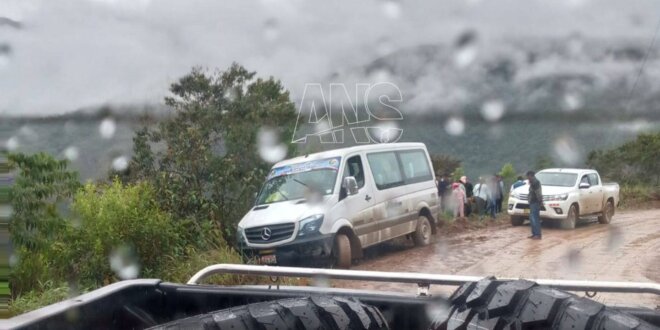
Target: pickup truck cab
column 568, row 194
column 330, row 205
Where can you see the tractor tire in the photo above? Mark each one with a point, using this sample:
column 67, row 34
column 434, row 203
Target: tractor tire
column 422, row 234
column 608, row 213
column 319, row 312
column 517, row 221
column 521, row 304
column 571, row 218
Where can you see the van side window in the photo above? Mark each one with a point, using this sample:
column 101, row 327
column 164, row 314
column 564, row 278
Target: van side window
column 593, row 179
column 415, row 166
column 354, row 168
column 385, row 169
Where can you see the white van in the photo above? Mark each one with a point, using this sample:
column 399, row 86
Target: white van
column 333, row 204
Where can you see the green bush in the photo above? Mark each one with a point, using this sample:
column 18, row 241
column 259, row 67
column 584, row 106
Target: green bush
column 638, row 195
column 635, row 162
column 118, row 220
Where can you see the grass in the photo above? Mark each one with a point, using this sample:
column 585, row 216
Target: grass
column 636, row 196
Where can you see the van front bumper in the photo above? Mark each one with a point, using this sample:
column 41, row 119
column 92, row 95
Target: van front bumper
column 298, row 251
column 555, row 210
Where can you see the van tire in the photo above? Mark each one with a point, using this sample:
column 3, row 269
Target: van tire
column 521, row 304
column 318, row 312
column 341, row 252
column 571, row 218
column 608, row 213
column 517, row 221
column 422, row 235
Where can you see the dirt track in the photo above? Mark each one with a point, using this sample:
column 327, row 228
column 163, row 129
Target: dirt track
column 628, row 249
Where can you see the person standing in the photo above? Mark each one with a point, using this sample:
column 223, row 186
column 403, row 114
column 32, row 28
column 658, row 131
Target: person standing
column 459, row 200
column 444, row 191
column 468, row 195
column 535, row 199
column 499, row 185
column 520, row 181
column 482, row 197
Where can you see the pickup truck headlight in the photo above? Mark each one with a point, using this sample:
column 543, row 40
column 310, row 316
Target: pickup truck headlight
column 239, row 235
column 560, row 197
column 310, row 225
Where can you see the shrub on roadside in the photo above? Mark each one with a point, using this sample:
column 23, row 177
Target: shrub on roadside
column 115, row 222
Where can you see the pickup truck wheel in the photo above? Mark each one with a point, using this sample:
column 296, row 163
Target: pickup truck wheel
column 521, row 304
column 517, row 221
column 341, row 252
column 318, row 312
column 571, row 218
column 422, row 235
column 607, row 214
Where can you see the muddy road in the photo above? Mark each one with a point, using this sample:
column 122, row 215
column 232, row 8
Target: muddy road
column 628, row 249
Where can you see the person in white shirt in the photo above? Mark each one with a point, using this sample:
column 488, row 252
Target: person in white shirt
column 482, row 196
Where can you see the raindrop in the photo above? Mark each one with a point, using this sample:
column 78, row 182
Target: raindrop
column 271, row 30
column 614, row 238
column 567, row 150
column 71, row 153
column 107, row 128
column 28, row 133
column 6, row 211
column 120, row 163
column 12, row 144
column 231, row 94
column 391, row 9
column 380, row 75
column 124, row 263
column 492, row 110
column 574, row 259
column 572, row 101
column 455, row 126
column 321, row 281
column 385, row 132
column 13, row 260
column 270, row 148
column 466, row 49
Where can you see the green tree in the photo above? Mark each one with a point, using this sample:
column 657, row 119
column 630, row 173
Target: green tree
column 636, row 161
column 444, row 164
column 543, row 162
column 208, row 167
column 43, row 188
column 457, row 173
column 508, row 174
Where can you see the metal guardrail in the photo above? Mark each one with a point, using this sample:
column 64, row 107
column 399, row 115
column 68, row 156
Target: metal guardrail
column 423, row 280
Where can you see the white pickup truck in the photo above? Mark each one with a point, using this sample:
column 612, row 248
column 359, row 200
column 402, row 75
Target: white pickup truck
column 568, row 194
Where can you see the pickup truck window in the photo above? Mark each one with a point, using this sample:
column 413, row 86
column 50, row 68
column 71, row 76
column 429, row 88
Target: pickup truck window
column 557, row 179
column 593, row 179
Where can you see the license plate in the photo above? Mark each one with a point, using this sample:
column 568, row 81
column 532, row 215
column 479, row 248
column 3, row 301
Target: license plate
column 526, row 211
column 267, row 259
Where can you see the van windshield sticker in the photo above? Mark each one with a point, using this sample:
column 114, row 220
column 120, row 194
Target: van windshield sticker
column 329, row 163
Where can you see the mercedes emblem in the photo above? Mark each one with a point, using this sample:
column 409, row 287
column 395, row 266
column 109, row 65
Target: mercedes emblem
column 265, row 235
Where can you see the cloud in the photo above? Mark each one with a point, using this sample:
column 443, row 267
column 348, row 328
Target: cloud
column 70, row 54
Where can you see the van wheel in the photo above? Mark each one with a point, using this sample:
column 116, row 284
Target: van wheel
column 341, row 252
column 422, row 234
column 608, row 213
column 517, row 221
column 571, row 218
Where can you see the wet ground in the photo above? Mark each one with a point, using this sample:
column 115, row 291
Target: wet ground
column 628, row 249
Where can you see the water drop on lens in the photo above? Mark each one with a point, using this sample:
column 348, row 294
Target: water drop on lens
column 107, row 128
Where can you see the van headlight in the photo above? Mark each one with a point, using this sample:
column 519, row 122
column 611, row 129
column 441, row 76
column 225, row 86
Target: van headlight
column 310, row 225
column 560, row 197
column 239, row 235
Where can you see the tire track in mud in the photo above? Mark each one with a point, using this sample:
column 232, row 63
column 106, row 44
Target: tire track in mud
column 628, row 249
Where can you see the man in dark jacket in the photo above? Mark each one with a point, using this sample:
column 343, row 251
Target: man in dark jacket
column 535, row 199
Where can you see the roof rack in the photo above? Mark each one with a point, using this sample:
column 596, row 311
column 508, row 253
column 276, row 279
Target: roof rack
column 423, row 280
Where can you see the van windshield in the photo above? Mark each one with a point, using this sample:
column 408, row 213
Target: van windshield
column 557, row 179
column 298, row 181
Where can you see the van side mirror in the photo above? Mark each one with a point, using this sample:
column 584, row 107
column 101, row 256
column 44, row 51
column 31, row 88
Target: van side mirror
column 351, row 186
column 584, row 185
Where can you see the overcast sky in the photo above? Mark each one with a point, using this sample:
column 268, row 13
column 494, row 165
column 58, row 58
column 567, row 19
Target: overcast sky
column 73, row 54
